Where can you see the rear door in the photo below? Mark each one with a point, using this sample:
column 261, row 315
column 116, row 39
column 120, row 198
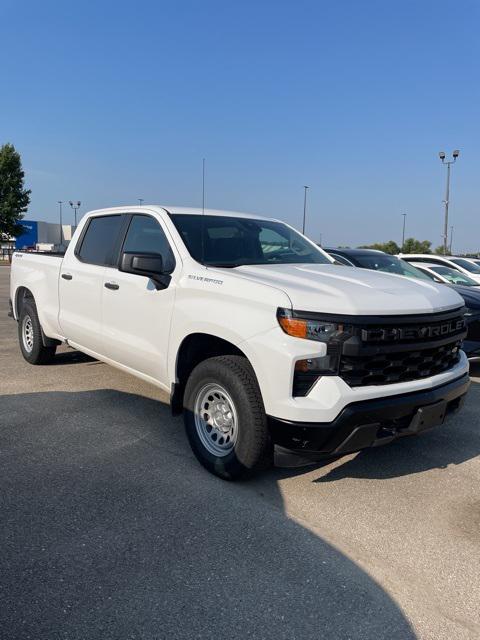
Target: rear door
column 137, row 316
column 81, row 281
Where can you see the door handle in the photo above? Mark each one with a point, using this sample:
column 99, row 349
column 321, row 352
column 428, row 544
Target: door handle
column 67, row 276
column 112, row 285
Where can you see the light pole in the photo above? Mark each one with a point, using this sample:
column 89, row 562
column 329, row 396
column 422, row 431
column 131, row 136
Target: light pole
column 140, row 201
column 451, row 239
column 455, row 155
column 403, row 233
column 304, row 207
column 60, row 202
column 75, row 206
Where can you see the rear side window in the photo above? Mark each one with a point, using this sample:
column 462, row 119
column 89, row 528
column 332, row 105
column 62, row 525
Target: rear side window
column 145, row 235
column 99, row 241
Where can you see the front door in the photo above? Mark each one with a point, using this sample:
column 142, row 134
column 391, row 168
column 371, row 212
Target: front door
column 136, row 316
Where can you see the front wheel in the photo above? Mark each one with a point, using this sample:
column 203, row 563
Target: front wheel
column 30, row 336
column 225, row 418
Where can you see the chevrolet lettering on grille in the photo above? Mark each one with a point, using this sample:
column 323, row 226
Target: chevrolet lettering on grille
column 394, row 334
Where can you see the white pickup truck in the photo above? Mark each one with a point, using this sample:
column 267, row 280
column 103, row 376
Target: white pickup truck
column 258, row 338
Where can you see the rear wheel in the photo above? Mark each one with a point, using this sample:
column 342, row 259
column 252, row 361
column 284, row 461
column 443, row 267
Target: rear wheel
column 225, row 419
column 30, row 336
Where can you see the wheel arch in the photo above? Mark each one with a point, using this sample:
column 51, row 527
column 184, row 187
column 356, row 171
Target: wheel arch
column 23, row 295
column 195, row 348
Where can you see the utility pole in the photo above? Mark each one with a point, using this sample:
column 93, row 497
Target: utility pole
column 60, row 202
column 448, row 163
column 75, row 206
column 304, row 207
column 403, row 233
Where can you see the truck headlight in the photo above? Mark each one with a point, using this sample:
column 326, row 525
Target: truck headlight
column 310, row 326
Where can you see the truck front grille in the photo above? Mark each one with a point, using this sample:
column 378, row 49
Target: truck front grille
column 404, row 366
column 381, row 350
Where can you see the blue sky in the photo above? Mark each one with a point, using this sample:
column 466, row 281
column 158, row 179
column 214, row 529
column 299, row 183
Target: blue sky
column 113, row 101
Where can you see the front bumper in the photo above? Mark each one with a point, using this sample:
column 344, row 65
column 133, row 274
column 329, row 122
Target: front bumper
column 371, row 423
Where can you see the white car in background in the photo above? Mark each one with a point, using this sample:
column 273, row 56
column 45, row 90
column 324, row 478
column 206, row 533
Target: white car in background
column 445, row 275
column 464, row 265
column 475, row 261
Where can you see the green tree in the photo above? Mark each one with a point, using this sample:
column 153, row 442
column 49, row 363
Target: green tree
column 14, row 198
column 439, row 250
column 417, row 246
column 390, row 247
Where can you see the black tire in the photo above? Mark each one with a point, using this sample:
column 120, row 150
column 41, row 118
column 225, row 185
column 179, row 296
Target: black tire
column 253, row 449
column 37, row 353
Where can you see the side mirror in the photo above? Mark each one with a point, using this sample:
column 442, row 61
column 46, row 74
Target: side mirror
column 149, row 265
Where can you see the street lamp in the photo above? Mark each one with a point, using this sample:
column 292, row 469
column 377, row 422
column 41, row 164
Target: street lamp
column 75, row 206
column 451, row 239
column 60, row 202
column 442, row 157
column 140, row 201
column 304, row 207
column 403, row 233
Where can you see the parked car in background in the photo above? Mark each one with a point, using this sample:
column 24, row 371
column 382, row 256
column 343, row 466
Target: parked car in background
column 463, row 285
column 474, row 260
column 443, row 274
column 375, row 260
column 464, row 265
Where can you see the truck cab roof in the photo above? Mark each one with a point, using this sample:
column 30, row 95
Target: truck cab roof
column 177, row 210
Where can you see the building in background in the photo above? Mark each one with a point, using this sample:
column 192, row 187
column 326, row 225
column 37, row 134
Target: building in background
column 43, row 235
column 36, row 236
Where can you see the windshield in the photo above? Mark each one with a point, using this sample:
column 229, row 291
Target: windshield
column 465, row 264
column 389, row 264
column 454, row 276
column 232, row 242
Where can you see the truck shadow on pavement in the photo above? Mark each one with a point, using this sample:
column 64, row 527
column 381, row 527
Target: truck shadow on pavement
column 111, row 529
column 72, row 357
column 68, row 355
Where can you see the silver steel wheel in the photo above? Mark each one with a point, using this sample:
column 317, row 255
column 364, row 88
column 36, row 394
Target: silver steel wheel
column 216, row 419
column 27, row 334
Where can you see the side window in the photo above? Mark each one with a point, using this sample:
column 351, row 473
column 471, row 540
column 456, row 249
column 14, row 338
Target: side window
column 99, row 240
column 145, row 235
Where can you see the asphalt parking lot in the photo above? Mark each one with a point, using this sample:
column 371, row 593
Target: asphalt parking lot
column 111, row 529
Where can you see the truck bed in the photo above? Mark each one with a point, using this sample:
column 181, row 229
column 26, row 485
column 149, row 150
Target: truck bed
column 39, row 273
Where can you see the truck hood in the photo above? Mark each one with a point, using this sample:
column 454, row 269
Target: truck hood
column 351, row 291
